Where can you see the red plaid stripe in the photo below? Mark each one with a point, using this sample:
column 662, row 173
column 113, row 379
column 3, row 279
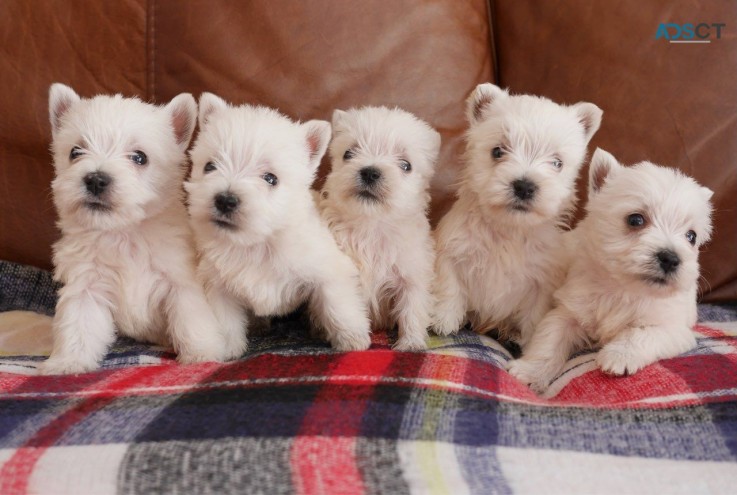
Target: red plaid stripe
column 16, row 472
column 336, row 472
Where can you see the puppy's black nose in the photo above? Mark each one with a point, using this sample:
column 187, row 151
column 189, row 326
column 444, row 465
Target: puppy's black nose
column 370, row 175
column 96, row 182
column 668, row 260
column 524, row 189
column 226, row 202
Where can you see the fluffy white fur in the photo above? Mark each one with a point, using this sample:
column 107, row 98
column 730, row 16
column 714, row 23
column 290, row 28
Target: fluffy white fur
column 383, row 225
column 126, row 256
column 499, row 258
column 272, row 252
column 617, row 295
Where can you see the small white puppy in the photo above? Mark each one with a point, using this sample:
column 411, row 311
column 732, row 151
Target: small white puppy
column 263, row 246
column 375, row 201
column 126, row 256
column 631, row 288
column 498, row 248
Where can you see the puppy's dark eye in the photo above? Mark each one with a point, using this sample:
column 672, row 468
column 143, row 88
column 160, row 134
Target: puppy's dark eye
column 139, row 157
column 209, row 167
column 75, row 153
column 557, row 163
column 349, row 153
column 691, row 237
column 270, row 178
column 406, row 166
column 497, row 152
column 636, row 220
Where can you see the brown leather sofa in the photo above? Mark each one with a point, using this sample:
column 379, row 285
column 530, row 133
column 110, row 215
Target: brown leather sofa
column 672, row 103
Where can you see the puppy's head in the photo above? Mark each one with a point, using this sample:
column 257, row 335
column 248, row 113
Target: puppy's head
column 524, row 153
column 382, row 160
column 645, row 223
column 251, row 170
column 117, row 160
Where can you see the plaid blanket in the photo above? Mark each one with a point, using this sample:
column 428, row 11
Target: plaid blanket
column 292, row 416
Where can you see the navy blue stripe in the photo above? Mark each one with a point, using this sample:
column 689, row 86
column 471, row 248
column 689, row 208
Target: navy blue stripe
column 697, row 433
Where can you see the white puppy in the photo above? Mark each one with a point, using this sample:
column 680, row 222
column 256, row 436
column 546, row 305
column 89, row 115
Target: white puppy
column 498, row 248
column 375, row 201
column 263, row 246
column 126, row 256
column 631, row 288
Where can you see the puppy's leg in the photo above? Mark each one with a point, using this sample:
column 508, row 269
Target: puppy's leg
column 231, row 316
column 412, row 307
column 193, row 326
column 636, row 347
column 83, row 330
column 337, row 307
column 547, row 351
column 540, row 304
column 450, row 303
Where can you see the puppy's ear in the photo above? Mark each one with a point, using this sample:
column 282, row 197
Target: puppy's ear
column 602, row 165
column 589, row 115
column 706, row 193
column 209, row 103
column 479, row 102
column 706, row 225
column 338, row 119
column 318, row 137
column 182, row 111
column 61, row 98
column 434, row 138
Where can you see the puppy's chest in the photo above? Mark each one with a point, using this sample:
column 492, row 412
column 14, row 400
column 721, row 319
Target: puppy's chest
column 120, row 256
column 606, row 313
column 508, row 267
column 265, row 282
column 377, row 256
column 124, row 265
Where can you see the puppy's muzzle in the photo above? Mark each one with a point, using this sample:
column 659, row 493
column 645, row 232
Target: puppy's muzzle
column 226, row 203
column 96, row 183
column 369, row 182
column 370, row 176
column 668, row 261
column 524, row 189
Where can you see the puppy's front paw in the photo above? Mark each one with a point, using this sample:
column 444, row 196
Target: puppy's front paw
column 196, row 357
column 66, row 366
column 236, row 345
column 204, row 350
column 235, row 350
column 445, row 324
column 529, row 373
column 407, row 343
column 618, row 360
column 352, row 341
